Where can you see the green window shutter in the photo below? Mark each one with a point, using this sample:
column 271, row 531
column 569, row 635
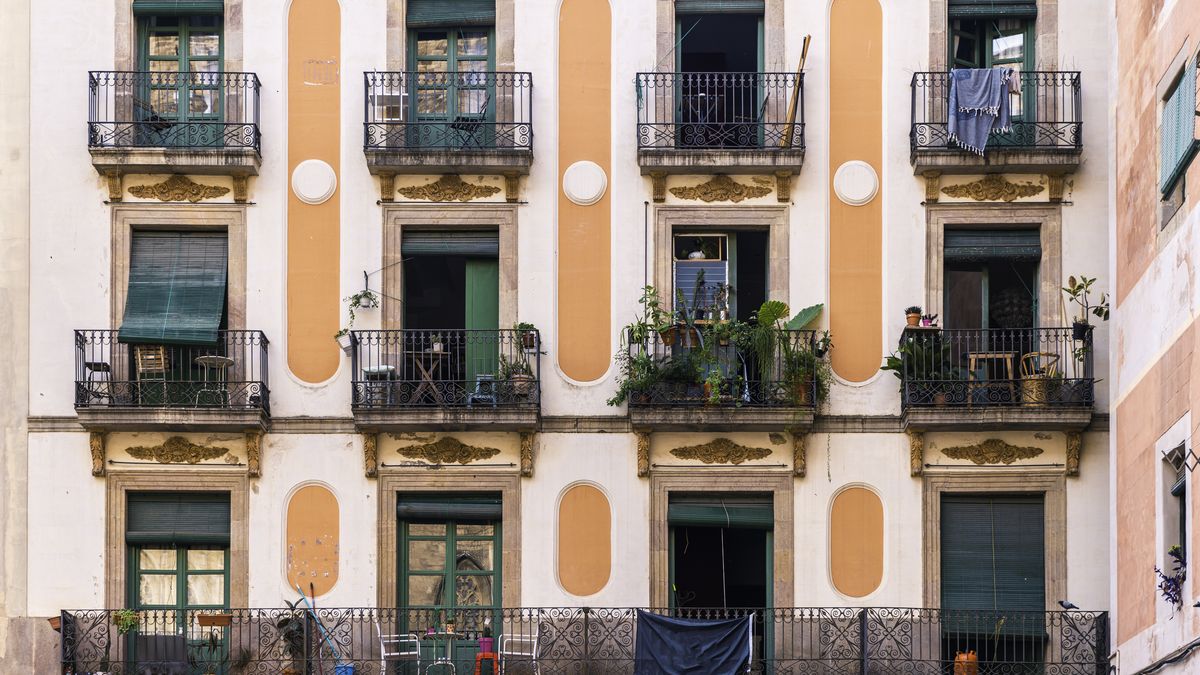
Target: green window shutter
column 993, row 553
column 1177, row 131
column 176, row 289
column 748, row 512
column 177, row 518
column 474, row 508
column 720, row 6
column 962, row 9
column 178, row 7
column 975, row 245
column 480, row 244
column 435, row 13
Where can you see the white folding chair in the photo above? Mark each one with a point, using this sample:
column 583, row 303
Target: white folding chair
column 399, row 648
column 522, row 648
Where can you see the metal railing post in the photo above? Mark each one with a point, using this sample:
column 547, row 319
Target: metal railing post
column 862, row 641
column 587, row 652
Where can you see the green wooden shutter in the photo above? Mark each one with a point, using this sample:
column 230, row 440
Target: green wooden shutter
column 178, row 6
column 475, row 508
column 720, row 6
column 1014, row 245
column 483, row 244
column 993, row 553
column 176, row 289
column 482, row 319
column 960, row 9
column 748, row 512
column 177, row 518
column 1177, row 132
column 435, row 13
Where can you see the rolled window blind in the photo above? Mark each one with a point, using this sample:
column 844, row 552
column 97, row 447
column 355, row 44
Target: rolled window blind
column 177, row 518
column 965, row 9
column 720, row 6
column 483, row 508
column 450, row 13
column 481, row 244
column 176, row 292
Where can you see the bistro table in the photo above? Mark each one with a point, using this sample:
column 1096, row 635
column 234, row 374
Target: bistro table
column 446, row 660
column 427, row 362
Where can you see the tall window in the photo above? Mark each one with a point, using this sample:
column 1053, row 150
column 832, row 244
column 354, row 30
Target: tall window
column 1178, row 143
column 991, row 278
column 182, row 56
column 1175, row 511
column 721, row 99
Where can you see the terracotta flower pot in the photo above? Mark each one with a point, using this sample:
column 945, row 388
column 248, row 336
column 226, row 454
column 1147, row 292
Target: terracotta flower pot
column 913, row 319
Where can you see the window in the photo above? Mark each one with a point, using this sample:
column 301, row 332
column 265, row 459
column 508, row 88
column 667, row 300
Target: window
column 450, row 567
column 721, row 100
column 720, row 550
column 720, row 276
column 1175, row 512
column 991, row 278
column 181, row 55
column 1177, row 129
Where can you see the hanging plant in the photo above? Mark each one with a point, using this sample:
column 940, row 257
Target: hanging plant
column 1171, row 585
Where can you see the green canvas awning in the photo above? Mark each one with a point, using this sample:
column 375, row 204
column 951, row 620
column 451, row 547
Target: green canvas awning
column 975, row 245
column 450, row 13
column 720, row 6
column 176, row 291
column 178, row 6
column 480, row 508
column 748, row 512
column 177, row 518
column 967, row 9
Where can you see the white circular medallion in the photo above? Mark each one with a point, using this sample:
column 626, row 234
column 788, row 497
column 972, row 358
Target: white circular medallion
column 584, row 183
column 856, row 183
column 313, row 181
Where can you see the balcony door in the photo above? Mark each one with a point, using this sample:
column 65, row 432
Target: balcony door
column 1000, row 42
column 178, row 98
column 720, row 98
column 453, row 102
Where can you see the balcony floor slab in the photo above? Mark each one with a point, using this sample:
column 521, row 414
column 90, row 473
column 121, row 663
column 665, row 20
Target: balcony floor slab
column 997, row 418
column 480, row 418
column 118, row 418
column 706, row 161
column 1054, row 161
column 198, row 161
column 705, row 418
column 497, row 161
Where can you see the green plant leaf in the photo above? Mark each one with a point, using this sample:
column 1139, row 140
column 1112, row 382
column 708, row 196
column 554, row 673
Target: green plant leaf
column 806, row 317
column 771, row 312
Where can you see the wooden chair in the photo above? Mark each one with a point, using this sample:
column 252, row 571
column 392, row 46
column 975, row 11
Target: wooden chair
column 151, row 363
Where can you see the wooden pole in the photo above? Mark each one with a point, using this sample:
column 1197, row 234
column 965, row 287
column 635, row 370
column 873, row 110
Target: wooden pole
column 794, row 104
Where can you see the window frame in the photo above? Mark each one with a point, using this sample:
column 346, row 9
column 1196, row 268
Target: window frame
column 449, row 572
column 452, row 58
column 210, row 81
column 1175, row 176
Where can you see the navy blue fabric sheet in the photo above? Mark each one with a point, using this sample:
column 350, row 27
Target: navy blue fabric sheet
column 667, row 646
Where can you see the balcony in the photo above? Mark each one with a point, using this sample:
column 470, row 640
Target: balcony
column 571, row 639
column 1046, row 136
column 164, row 122
column 448, row 122
column 408, row 380
column 694, row 378
column 219, row 387
column 996, row 379
column 702, row 123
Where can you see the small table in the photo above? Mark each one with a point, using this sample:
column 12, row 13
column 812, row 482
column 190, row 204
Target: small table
column 446, row 660
column 219, row 365
column 1003, row 358
column 427, row 362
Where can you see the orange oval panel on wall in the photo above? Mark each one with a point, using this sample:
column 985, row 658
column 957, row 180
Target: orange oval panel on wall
column 856, row 542
column 584, row 540
column 312, row 539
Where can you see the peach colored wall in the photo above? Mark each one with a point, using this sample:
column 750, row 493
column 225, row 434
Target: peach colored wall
column 856, row 542
column 584, row 540
column 313, row 230
column 1149, row 410
column 313, row 539
column 1147, row 45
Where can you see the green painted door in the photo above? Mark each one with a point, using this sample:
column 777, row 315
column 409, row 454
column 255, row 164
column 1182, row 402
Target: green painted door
column 453, row 102
column 483, row 319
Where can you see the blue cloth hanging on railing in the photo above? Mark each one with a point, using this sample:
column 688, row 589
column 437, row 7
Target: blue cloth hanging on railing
column 668, row 646
column 979, row 106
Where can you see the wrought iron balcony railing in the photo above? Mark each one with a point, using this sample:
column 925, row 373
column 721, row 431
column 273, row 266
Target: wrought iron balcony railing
column 448, row 111
column 173, row 110
column 720, row 111
column 717, row 365
column 231, row 374
column 579, row 640
column 1043, row 368
column 452, row 368
column 1047, row 114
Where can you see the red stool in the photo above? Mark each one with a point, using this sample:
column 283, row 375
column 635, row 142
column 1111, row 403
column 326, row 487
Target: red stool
column 485, row 656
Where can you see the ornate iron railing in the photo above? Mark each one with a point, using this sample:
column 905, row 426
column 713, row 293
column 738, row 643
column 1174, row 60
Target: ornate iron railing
column 173, row 110
column 706, row 365
column 1027, row 367
column 808, row 641
column 448, row 111
column 1047, row 114
column 446, row 368
column 231, row 374
column 720, row 111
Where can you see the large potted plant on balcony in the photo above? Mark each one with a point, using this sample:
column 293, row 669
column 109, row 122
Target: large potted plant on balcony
column 517, row 374
column 924, row 364
column 1077, row 292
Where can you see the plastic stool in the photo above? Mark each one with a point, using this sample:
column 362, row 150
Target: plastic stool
column 484, row 656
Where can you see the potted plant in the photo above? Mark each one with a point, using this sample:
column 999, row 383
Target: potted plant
column 1171, row 585
column 487, row 644
column 126, row 620
column 1077, row 291
column 517, row 373
column 437, row 345
column 290, row 627
column 216, row 620
column 923, row 365
column 929, row 320
column 528, row 335
column 364, row 299
column 913, row 315
column 638, row 374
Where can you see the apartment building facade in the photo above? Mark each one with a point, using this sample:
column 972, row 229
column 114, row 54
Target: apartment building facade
column 375, row 300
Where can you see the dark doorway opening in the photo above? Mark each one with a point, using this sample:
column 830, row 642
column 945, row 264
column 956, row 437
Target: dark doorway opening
column 435, row 292
column 750, row 276
column 720, row 567
column 719, row 43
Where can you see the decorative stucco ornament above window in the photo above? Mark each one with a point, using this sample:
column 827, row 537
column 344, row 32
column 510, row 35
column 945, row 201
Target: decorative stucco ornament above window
column 584, row 183
column 314, row 181
column 856, row 183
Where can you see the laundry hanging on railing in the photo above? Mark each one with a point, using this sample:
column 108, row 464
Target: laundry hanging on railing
column 666, row 645
column 978, row 106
